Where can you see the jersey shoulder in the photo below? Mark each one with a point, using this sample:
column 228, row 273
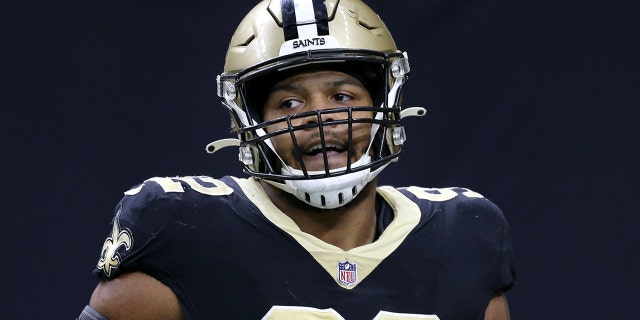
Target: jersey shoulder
column 452, row 201
column 468, row 237
column 459, row 211
column 460, row 220
column 157, row 197
column 159, row 210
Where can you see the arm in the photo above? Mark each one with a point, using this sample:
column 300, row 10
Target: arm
column 498, row 309
column 136, row 296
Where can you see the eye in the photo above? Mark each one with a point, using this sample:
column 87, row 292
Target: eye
column 290, row 104
column 342, row 97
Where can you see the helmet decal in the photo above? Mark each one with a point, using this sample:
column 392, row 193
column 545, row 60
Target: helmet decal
column 306, row 26
column 300, row 18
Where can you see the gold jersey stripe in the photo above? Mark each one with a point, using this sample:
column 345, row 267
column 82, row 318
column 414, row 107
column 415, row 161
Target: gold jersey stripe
column 367, row 257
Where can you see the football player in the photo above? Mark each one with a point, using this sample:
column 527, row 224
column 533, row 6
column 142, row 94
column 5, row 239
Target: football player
column 314, row 89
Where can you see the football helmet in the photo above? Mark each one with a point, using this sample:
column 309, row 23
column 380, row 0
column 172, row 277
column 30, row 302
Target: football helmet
column 279, row 38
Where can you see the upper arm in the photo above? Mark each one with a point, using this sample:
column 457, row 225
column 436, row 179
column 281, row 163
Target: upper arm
column 138, row 296
column 497, row 309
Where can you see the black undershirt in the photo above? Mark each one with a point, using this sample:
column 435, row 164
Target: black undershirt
column 384, row 214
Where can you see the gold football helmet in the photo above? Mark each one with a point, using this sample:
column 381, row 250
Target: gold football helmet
column 279, row 38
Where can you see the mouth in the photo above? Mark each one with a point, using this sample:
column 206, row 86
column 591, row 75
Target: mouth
column 314, row 157
column 331, row 148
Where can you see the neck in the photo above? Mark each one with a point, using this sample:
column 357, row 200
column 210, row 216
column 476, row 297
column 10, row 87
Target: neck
column 346, row 227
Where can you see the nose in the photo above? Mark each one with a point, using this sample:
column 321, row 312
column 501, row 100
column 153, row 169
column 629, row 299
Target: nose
column 323, row 110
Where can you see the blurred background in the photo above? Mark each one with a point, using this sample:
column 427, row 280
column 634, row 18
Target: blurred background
column 531, row 103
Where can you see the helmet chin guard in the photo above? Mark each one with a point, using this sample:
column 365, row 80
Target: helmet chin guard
column 329, row 192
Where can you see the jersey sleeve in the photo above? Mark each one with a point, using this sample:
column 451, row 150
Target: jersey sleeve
column 484, row 223
column 505, row 271
column 507, row 261
column 140, row 217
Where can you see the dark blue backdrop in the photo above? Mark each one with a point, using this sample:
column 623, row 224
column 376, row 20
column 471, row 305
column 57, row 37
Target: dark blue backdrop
column 531, row 103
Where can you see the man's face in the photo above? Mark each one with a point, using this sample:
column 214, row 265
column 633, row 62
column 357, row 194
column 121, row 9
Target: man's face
column 319, row 90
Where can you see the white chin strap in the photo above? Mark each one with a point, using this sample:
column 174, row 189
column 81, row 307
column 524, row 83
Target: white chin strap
column 330, row 192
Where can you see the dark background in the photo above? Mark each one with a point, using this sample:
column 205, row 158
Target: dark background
column 531, row 103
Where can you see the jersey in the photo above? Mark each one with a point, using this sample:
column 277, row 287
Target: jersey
column 228, row 252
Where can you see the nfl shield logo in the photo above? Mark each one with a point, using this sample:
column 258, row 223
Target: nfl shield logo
column 347, row 273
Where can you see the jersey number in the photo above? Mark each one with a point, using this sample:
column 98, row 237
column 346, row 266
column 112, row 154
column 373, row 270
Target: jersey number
column 214, row 187
column 307, row 313
column 442, row 194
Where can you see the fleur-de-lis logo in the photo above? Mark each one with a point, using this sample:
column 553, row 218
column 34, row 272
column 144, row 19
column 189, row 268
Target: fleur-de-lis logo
column 110, row 258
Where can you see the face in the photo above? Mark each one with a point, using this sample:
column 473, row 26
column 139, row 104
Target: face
column 312, row 91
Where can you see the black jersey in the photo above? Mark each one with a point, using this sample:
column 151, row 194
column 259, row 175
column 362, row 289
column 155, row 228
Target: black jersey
column 227, row 252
